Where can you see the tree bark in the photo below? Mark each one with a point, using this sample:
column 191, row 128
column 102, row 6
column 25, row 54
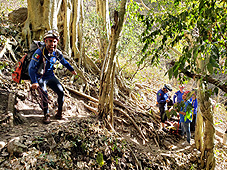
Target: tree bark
column 207, row 151
column 65, row 16
column 41, row 15
column 68, row 9
column 102, row 9
column 107, row 68
column 76, row 31
column 199, row 121
column 204, row 134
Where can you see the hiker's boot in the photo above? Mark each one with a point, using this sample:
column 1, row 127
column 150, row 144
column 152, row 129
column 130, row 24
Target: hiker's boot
column 46, row 119
column 59, row 115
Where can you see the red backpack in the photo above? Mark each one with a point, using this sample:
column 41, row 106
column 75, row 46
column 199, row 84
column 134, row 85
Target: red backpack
column 21, row 69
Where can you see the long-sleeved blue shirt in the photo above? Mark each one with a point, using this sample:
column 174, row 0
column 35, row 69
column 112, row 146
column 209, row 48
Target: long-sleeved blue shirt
column 162, row 97
column 178, row 95
column 50, row 60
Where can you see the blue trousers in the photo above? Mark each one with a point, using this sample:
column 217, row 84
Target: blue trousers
column 185, row 127
column 56, row 86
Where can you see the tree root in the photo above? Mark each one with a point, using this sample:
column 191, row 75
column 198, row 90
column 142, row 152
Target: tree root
column 129, row 109
column 134, row 123
column 82, row 94
column 92, row 66
column 118, row 103
column 94, row 110
column 154, row 135
column 137, row 161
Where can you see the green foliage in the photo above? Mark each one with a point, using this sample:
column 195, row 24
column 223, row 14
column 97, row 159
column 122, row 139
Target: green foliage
column 129, row 45
column 92, row 28
column 3, row 65
column 197, row 28
column 171, row 113
column 99, row 159
column 181, row 107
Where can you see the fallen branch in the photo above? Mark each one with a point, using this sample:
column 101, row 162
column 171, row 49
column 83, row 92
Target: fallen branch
column 82, row 94
column 207, row 78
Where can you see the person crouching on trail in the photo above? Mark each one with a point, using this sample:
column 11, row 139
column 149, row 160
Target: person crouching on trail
column 162, row 99
column 51, row 54
column 186, row 116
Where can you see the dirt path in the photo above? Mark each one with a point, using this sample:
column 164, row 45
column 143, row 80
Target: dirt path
column 169, row 153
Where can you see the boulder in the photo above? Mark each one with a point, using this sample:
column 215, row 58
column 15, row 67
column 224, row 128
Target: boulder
column 15, row 147
column 18, row 16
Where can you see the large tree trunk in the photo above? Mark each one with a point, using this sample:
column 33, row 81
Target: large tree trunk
column 108, row 63
column 63, row 15
column 41, row 15
column 102, row 9
column 205, row 125
column 77, row 43
column 207, row 157
column 67, row 18
column 199, row 121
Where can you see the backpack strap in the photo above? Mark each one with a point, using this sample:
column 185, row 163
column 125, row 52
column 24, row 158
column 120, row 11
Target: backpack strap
column 42, row 50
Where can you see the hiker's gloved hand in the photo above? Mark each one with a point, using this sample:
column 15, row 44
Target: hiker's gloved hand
column 35, row 85
column 73, row 72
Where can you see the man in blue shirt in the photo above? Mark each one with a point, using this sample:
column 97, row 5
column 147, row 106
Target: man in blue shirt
column 178, row 95
column 186, row 116
column 162, row 99
column 47, row 56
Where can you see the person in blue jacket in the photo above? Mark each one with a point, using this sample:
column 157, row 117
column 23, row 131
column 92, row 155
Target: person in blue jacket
column 47, row 56
column 186, row 116
column 177, row 98
column 194, row 103
column 162, row 99
column 178, row 95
